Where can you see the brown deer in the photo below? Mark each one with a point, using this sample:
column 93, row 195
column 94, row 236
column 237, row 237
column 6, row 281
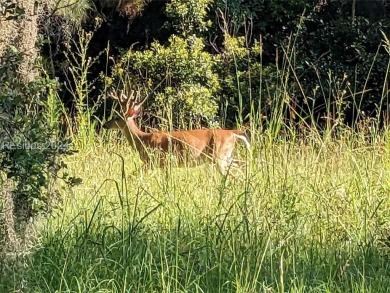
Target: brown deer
column 189, row 147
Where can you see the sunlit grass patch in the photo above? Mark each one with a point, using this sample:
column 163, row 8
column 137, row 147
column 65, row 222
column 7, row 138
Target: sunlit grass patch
column 305, row 217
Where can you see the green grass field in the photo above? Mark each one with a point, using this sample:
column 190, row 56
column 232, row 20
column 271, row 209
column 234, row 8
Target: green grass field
column 303, row 217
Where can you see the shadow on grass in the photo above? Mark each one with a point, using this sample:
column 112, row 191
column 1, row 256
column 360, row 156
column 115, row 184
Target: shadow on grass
column 221, row 254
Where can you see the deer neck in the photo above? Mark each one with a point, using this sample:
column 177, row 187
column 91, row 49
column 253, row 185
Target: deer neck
column 132, row 126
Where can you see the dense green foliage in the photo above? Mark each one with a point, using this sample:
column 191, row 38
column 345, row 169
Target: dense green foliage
column 29, row 145
column 313, row 51
column 352, row 57
column 188, row 16
column 187, row 73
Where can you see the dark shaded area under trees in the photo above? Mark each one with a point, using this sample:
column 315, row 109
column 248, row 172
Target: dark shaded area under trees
column 328, row 40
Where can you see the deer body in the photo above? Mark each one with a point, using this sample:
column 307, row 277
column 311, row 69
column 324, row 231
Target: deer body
column 190, row 147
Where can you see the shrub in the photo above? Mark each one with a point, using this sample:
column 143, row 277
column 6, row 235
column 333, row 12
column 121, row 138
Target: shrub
column 188, row 72
column 349, row 56
column 30, row 151
column 189, row 17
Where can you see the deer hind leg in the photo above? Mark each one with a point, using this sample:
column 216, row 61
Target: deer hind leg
column 224, row 160
column 223, row 167
column 226, row 163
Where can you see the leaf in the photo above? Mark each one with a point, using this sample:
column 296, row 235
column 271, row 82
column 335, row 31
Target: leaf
column 4, row 116
column 11, row 17
column 73, row 181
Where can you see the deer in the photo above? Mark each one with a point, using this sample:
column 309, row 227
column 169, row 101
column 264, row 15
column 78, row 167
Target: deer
column 187, row 147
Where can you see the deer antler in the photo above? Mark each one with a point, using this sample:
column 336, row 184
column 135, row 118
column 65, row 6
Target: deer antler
column 126, row 102
column 123, row 100
column 112, row 95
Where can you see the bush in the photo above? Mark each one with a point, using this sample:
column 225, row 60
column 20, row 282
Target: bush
column 186, row 70
column 189, row 17
column 338, row 56
column 30, row 150
column 319, row 60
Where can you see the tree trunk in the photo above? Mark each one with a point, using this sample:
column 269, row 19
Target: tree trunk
column 21, row 32
column 28, row 35
column 11, row 238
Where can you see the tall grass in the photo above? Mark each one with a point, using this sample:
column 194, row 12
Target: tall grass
column 306, row 217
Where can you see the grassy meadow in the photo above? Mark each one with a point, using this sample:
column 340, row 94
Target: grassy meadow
column 306, row 215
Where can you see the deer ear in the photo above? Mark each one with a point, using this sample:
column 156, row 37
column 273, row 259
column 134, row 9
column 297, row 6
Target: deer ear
column 137, row 107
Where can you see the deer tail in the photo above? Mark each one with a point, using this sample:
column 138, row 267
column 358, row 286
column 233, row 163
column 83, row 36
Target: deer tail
column 242, row 135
